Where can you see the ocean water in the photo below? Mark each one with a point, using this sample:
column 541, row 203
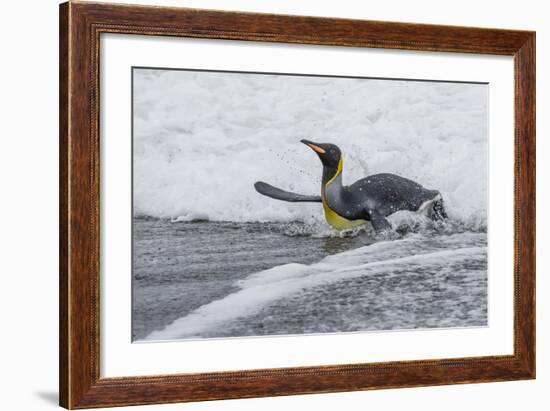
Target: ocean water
column 212, row 279
column 213, row 258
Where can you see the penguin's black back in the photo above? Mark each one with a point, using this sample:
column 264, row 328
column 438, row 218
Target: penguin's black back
column 388, row 193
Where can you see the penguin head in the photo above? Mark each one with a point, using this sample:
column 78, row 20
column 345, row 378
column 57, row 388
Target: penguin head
column 329, row 154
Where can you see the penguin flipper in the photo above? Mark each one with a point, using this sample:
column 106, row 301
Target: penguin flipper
column 278, row 194
column 379, row 222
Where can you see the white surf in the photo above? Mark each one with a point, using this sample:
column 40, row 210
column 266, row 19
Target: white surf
column 198, row 149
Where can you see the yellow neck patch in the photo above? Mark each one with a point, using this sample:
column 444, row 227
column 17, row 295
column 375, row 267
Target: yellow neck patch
column 336, row 221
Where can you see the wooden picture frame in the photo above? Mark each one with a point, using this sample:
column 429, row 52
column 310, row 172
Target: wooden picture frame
column 80, row 27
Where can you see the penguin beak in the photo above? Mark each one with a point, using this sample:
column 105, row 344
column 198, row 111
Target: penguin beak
column 313, row 146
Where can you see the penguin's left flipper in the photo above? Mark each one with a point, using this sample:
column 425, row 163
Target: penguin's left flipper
column 278, row 194
column 379, row 222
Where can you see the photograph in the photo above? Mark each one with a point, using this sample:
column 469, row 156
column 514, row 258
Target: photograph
column 272, row 204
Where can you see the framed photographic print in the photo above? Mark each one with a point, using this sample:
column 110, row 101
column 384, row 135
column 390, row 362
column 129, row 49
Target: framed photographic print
column 257, row 205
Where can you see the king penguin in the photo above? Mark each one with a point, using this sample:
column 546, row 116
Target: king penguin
column 368, row 200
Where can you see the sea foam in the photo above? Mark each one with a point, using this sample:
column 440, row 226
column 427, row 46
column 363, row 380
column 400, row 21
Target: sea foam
column 202, row 139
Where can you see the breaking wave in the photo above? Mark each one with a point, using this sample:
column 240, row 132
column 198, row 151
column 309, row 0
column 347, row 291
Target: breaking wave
column 198, row 149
